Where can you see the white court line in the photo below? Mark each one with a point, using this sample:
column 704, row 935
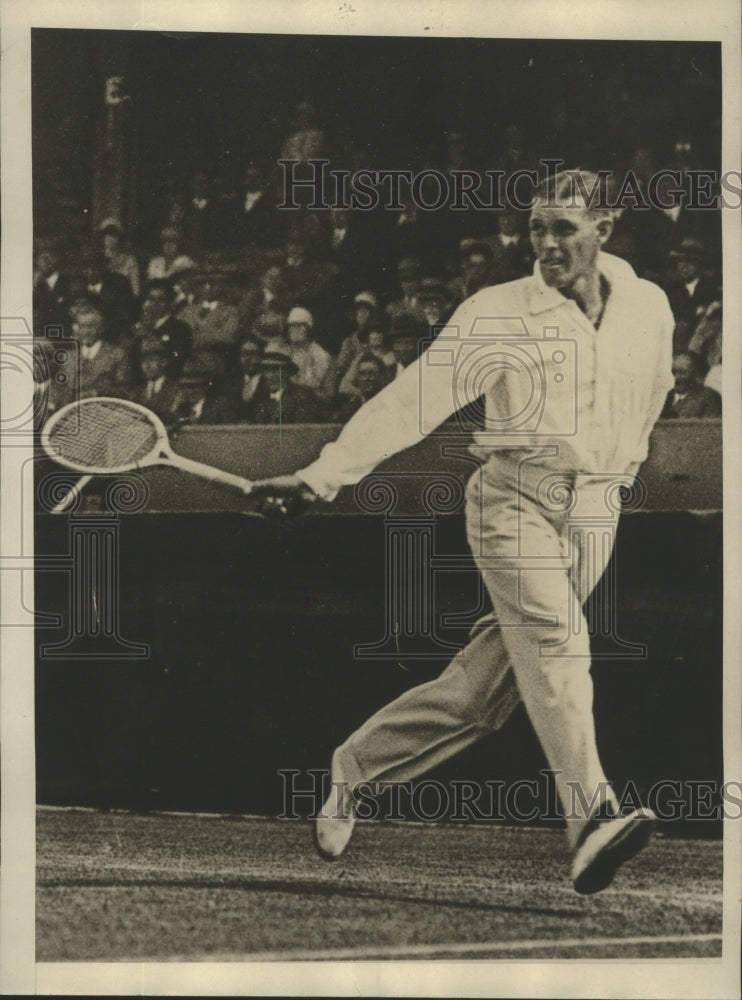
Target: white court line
column 422, row 951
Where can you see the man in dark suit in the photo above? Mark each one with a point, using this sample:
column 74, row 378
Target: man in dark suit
column 284, row 402
column 690, row 290
column 51, row 292
column 158, row 321
column 257, row 222
column 200, row 222
column 111, row 294
column 203, row 395
column 158, row 389
column 690, row 398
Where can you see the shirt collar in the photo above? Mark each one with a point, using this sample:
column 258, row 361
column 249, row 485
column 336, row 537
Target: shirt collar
column 90, row 351
column 542, row 296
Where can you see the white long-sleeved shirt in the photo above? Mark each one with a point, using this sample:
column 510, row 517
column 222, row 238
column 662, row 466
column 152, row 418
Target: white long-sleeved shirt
column 576, row 398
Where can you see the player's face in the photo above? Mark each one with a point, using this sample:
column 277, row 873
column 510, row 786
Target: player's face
column 566, row 241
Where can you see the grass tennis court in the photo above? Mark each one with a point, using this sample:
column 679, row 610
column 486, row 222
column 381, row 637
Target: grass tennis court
column 113, row 886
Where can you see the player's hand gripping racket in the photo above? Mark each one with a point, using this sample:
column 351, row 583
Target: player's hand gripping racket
column 103, row 436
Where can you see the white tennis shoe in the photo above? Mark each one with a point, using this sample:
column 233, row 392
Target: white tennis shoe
column 333, row 826
column 606, row 844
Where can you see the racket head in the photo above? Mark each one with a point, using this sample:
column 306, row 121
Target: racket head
column 103, row 435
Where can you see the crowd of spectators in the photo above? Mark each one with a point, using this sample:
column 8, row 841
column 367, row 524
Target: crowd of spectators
column 243, row 312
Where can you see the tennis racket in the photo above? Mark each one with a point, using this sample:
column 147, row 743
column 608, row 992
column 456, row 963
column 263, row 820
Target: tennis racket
column 104, row 436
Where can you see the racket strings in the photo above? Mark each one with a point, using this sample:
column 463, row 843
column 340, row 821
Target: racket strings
column 103, row 434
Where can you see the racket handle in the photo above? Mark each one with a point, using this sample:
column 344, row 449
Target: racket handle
column 209, row 472
column 71, row 496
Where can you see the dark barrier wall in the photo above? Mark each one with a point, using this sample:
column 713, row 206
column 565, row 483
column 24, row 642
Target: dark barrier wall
column 263, row 645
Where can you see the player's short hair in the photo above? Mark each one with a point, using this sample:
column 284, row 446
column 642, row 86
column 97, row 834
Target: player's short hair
column 574, row 189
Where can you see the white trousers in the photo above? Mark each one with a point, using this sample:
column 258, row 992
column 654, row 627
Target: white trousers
column 541, row 541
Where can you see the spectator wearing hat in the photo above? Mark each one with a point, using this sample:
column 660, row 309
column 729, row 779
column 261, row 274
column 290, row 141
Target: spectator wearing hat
column 171, row 258
column 409, row 275
column 690, row 290
column 118, row 259
column 690, row 398
column 364, row 312
column 409, row 336
column 312, row 361
column 279, row 398
column 369, row 378
column 202, row 397
column 250, row 381
column 157, row 389
column 157, row 320
column 214, row 322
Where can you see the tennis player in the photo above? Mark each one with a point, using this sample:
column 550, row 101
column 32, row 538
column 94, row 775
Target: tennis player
column 602, row 389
